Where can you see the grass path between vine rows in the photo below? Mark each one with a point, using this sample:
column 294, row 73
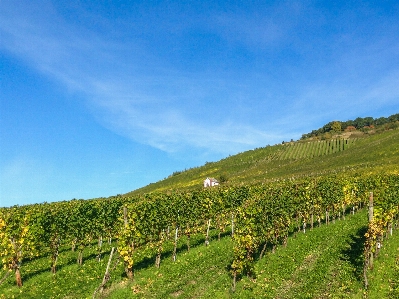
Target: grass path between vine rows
column 324, row 263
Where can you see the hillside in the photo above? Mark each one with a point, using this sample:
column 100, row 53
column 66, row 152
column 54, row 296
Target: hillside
column 257, row 236
column 343, row 153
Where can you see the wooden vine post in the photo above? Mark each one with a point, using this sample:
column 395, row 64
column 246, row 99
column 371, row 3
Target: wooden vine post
column 311, row 221
column 107, row 274
column 175, row 244
column 125, row 216
column 371, row 207
column 371, row 216
column 232, row 225
column 207, row 232
column 18, row 276
column 368, row 263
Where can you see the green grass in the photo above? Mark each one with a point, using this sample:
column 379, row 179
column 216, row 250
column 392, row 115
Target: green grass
column 385, row 275
column 324, row 263
column 201, row 272
column 303, row 158
column 70, row 281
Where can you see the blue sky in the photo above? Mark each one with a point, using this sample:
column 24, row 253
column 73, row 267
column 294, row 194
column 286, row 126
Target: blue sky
column 99, row 98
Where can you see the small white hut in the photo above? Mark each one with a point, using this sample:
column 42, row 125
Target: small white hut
column 210, row 182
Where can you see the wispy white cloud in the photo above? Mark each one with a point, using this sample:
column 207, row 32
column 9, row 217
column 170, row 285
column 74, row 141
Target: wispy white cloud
column 342, row 100
column 138, row 94
column 146, row 107
column 171, row 130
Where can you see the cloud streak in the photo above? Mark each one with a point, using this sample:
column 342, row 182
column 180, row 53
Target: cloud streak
column 143, row 107
column 137, row 93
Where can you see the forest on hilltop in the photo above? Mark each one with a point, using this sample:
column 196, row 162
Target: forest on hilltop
column 363, row 124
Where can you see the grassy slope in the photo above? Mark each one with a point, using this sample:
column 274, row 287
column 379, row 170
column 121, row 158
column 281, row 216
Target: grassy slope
column 312, row 266
column 385, row 275
column 380, row 151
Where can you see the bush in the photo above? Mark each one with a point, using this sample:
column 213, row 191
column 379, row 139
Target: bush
column 223, row 178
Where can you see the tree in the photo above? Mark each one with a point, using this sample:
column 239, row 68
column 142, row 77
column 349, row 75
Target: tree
column 223, row 178
column 336, row 127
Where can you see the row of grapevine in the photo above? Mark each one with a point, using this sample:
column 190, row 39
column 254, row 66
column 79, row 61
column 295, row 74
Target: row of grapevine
column 301, row 150
column 262, row 214
column 258, row 215
column 40, row 229
column 267, row 216
column 149, row 222
column 383, row 218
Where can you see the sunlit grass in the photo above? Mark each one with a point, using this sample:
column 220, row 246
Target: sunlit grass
column 370, row 153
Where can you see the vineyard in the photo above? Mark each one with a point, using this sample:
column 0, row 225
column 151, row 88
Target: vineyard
column 306, row 219
column 292, row 159
column 311, row 149
column 257, row 218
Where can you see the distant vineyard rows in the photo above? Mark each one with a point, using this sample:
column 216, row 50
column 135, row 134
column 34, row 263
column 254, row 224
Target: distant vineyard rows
column 301, row 150
column 311, row 149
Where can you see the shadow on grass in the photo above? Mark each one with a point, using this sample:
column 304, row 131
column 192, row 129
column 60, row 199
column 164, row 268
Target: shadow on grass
column 71, row 259
column 30, row 274
column 146, row 262
column 196, row 241
column 354, row 254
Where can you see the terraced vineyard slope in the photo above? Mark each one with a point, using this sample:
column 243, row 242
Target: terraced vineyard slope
column 292, row 159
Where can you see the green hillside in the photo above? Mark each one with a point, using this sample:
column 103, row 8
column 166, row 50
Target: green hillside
column 343, row 153
column 306, row 237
